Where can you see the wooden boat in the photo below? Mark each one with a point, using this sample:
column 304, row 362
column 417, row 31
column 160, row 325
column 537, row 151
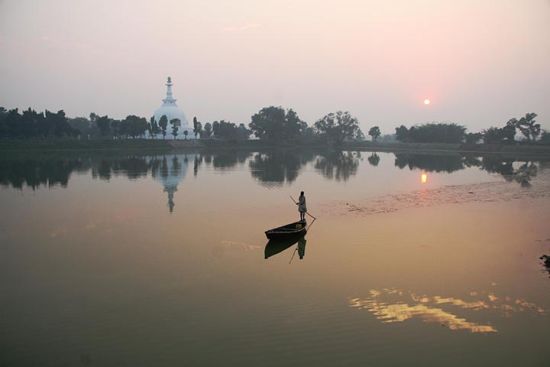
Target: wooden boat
column 291, row 230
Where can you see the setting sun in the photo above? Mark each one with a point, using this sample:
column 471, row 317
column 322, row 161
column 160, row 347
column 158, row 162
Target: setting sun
column 427, row 101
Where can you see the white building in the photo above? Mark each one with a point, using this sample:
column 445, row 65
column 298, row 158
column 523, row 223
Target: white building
column 170, row 109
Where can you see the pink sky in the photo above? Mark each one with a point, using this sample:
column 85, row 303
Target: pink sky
column 480, row 62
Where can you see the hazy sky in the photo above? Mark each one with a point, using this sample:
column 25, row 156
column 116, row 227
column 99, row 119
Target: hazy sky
column 480, row 62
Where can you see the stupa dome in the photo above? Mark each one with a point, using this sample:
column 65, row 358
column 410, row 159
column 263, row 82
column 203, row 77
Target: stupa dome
column 170, row 109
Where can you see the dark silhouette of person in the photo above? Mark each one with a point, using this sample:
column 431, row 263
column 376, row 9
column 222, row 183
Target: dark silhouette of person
column 302, row 208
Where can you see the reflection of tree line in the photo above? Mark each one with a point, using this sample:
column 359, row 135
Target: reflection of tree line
column 35, row 173
column 338, row 165
column 220, row 160
column 268, row 168
column 522, row 172
column 57, row 171
column 134, row 167
column 442, row 163
column 280, row 166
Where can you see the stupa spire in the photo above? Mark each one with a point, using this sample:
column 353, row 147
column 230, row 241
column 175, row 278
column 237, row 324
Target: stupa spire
column 170, row 109
column 169, row 97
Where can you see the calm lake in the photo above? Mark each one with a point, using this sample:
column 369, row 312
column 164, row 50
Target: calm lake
column 160, row 260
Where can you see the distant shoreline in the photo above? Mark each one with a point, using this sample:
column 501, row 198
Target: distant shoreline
column 503, row 149
column 169, row 145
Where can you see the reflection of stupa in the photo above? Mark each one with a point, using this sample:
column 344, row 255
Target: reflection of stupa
column 170, row 171
column 170, row 109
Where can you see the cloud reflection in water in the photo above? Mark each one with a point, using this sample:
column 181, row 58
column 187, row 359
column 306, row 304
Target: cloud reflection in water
column 429, row 309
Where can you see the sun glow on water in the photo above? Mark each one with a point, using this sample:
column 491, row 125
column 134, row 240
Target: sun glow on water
column 424, row 178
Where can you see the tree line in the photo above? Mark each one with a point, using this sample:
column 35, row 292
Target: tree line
column 30, row 123
column 272, row 124
column 277, row 125
column 457, row 134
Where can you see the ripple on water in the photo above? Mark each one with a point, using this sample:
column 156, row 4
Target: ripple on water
column 452, row 194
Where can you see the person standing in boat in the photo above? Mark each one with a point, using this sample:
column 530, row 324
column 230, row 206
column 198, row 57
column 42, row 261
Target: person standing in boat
column 302, row 206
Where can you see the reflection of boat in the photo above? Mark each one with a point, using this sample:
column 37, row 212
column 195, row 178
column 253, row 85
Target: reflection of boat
column 545, row 261
column 292, row 230
column 302, row 247
column 273, row 247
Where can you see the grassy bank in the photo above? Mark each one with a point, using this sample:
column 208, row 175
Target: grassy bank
column 147, row 145
column 503, row 149
column 46, row 145
column 131, row 145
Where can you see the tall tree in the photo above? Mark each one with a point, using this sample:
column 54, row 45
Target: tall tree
column 134, row 126
column 473, row 138
column 337, row 127
column 276, row 125
column 197, row 127
column 243, row 133
column 83, row 125
column 374, row 132
column 506, row 134
column 493, row 135
column 207, row 130
column 103, row 124
column 402, row 133
column 216, row 129
column 176, row 123
column 528, row 126
column 93, row 117
column 163, row 123
column 58, row 124
column 152, row 127
column 509, row 131
column 4, row 132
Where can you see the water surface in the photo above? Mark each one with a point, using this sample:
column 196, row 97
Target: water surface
column 125, row 260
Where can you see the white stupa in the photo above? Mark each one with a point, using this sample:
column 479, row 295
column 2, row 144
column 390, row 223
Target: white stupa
column 170, row 109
